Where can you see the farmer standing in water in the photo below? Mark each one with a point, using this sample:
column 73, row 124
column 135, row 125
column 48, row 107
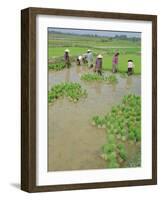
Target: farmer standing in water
column 98, row 66
column 67, row 58
column 115, row 62
column 90, row 58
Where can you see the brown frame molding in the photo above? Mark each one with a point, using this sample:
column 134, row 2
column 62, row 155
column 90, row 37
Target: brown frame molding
column 28, row 98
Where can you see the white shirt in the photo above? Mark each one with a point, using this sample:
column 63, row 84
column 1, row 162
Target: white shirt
column 130, row 64
column 90, row 57
column 80, row 57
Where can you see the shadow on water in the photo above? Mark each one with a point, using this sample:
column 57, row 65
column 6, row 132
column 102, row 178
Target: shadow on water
column 73, row 142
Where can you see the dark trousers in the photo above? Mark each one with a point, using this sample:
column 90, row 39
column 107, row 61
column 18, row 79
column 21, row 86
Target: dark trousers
column 67, row 63
column 130, row 71
column 78, row 62
column 99, row 72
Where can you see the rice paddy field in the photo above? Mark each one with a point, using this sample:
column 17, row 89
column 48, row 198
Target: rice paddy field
column 94, row 122
column 80, row 44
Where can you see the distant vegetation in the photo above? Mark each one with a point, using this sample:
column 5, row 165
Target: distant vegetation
column 122, row 37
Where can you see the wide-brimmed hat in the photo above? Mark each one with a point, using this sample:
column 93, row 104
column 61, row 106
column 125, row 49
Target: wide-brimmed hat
column 99, row 56
column 88, row 50
column 67, row 50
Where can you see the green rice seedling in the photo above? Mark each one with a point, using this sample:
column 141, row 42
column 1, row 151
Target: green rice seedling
column 118, row 136
column 112, row 163
column 123, row 123
column 110, row 131
column 123, row 132
column 103, row 122
column 137, row 134
column 98, row 121
column 123, row 138
column 108, row 148
column 112, row 155
column 111, row 138
column 132, row 136
column 114, row 109
column 94, row 120
column 112, row 79
column 120, row 146
column 56, row 66
column 104, row 156
column 73, row 91
column 123, row 153
column 123, row 75
column 96, row 77
column 91, row 77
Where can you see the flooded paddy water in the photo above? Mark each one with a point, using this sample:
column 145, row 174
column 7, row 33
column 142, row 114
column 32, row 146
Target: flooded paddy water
column 73, row 143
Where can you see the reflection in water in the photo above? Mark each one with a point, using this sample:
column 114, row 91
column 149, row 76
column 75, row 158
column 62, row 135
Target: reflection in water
column 97, row 87
column 78, row 69
column 113, row 86
column 128, row 82
column 67, row 76
column 73, row 142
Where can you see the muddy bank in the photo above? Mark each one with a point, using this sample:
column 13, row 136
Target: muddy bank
column 73, row 143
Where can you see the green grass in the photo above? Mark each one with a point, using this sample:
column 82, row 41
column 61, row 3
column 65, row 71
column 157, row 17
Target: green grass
column 122, row 66
column 59, row 51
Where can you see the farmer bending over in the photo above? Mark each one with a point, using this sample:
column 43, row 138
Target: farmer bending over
column 130, row 67
column 66, row 58
column 84, row 58
column 79, row 60
column 115, row 62
column 98, row 66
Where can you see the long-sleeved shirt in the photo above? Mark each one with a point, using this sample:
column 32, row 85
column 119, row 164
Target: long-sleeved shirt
column 90, row 57
column 66, row 56
column 115, row 59
column 130, row 64
column 98, row 63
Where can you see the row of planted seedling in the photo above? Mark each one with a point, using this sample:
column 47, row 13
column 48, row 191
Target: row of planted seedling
column 73, row 91
column 96, row 77
column 114, row 153
column 122, row 123
column 56, row 66
column 59, row 64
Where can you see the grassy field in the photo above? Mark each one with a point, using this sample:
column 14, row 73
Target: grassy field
column 79, row 44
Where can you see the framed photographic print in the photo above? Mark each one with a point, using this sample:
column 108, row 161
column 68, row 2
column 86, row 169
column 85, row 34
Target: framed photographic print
column 89, row 99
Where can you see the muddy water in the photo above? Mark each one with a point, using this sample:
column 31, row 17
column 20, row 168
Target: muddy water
column 73, row 143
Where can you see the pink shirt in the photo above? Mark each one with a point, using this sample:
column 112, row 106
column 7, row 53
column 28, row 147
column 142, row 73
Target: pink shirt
column 66, row 56
column 98, row 63
column 115, row 59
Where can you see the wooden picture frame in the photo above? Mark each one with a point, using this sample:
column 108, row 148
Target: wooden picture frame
column 28, row 99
